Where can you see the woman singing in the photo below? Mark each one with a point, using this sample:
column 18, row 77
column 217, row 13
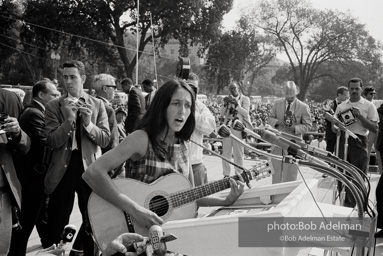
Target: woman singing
column 157, row 147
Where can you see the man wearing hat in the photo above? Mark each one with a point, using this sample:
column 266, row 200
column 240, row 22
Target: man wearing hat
column 289, row 115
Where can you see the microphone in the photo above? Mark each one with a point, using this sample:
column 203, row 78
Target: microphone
column 333, row 119
column 283, row 134
column 68, row 234
column 238, row 126
column 158, row 240
column 225, row 132
column 315, row 150
column 292, row 148
column 155, row 235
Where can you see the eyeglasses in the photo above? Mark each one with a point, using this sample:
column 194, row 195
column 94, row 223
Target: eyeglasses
column 372, row 93
column 111, row 85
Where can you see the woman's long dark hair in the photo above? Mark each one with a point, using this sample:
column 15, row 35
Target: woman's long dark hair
column 155, row 121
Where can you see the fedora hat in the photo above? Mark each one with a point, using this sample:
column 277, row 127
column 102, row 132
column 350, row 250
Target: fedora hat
column 291, row 89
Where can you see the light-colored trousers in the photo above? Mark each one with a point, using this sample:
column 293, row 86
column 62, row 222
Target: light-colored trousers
column 230, row 147
column 283, row 172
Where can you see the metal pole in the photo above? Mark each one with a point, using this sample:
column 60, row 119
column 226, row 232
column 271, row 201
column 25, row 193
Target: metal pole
column 342, row 195
column 138, row 22
column 154, row 51
column 335, row 188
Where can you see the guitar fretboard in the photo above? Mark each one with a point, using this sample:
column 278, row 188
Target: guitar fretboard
column 184, row 197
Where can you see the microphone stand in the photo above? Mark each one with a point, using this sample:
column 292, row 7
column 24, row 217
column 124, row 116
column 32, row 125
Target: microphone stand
column 335, row 187
column 342, row 196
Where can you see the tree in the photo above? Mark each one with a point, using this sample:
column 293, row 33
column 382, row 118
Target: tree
column 8, row 31
column 238, row 54
column 109, row 21
column 310, row 38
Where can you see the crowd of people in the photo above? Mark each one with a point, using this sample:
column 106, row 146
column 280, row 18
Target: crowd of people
column 59, row 146
column 75, row 143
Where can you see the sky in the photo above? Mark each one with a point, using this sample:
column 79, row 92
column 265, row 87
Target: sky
column 369, row 12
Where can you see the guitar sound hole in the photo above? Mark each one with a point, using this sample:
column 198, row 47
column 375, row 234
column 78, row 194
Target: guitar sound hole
column 159, row 205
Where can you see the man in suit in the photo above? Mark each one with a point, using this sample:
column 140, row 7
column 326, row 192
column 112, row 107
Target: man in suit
column 341, row 95
column 236, row 106
column 12, row 141
column 149, row 88
column 136, row 104
column 32, row 167
column 105, row 88
column 289, row 115
column 77, row 128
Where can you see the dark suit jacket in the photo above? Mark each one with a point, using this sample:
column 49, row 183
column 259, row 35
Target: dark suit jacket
column 59, row 136
column 32, row 121
column 11, row 104
column 136, row 109
column 112, row 125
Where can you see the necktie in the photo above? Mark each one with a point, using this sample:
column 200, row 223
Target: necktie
column 76, row 139
column 78, row 131
column 288, row 107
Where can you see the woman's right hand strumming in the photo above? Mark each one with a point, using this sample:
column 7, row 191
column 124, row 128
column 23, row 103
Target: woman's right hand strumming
column 146, row 218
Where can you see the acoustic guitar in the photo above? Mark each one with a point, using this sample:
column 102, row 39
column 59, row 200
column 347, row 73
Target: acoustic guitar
column 171, row 197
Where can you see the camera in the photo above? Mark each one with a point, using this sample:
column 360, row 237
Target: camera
column 347, row 117
column 183, row 68
column 3, row 116
column 16, row 226
column 289, row 119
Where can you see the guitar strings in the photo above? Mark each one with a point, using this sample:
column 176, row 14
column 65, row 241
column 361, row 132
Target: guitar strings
column 181, row 197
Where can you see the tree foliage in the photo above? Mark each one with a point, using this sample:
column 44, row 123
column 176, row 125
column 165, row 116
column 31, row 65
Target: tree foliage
column 109, row 21
column 8, row 32
column 238, row 55
column 310, row 38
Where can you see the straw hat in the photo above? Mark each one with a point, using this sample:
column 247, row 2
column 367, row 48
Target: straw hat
column 291, row 89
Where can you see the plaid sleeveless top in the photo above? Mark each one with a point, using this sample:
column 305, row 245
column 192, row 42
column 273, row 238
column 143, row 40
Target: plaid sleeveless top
column 150, row 167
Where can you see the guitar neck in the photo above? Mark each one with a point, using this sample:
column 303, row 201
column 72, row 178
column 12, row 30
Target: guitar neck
column 184, row 197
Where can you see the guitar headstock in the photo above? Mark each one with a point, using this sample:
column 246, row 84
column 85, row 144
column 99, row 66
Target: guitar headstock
column 259, row 171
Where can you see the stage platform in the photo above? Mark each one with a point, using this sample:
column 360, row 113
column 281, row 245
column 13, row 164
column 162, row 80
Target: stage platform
column 323, row 194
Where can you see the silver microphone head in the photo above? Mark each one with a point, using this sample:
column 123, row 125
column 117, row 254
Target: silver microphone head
column 224, row 131
column 238, row 126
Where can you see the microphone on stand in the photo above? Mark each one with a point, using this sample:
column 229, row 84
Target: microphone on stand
column 292, row 148
column 238, row 126
column 338, row 123
column 312, row 149
column 225, row 132
column 283, row 134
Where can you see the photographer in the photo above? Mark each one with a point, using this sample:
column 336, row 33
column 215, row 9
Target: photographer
column 361, row 117
column 235, row 106
column 12, row 140
column 289, row 115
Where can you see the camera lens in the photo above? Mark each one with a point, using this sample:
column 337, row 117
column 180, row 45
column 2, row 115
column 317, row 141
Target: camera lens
column 347, row 117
